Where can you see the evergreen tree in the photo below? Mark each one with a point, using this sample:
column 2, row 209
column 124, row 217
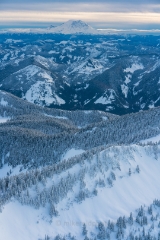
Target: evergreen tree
column 113, row 176
column 57, row 237
column 150, row 209
column 95, row 192
column 47, row 237
column 124, row 222
column 86, row 238
column 137, row 169
column 143, row 233
column 130, row 220
column 53, row 211
column 84, row 229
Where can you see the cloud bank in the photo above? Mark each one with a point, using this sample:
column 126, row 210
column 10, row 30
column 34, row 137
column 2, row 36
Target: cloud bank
column 115, row 13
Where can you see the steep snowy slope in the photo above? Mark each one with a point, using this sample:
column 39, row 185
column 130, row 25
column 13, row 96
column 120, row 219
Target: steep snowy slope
column 96, row 187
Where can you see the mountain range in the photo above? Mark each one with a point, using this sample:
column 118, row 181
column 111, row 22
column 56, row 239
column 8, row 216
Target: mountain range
column 117, row 74
column 79, row 135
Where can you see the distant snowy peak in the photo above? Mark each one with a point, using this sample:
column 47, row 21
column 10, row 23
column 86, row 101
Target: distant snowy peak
column 74, row 27
column 69, row 27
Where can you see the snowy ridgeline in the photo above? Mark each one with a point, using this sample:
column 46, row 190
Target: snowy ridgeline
column 98, row 188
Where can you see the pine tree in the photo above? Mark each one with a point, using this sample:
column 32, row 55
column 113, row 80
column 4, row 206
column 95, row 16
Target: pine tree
column 95, row 192
column 102, row 233
column 145, row 221
column 110, row 182
column 53, row 211
column 150, row 210
column 86, row 238
column 131, row 237
column 143, row 233
column 113, row 176
column 84, row 230
column 57, row 237
column 137, row 169
column 130, row 219
column 138, row 219
column 141, row 212
column 47, row 237
column 112, row 227
column 124, row 222
column 109, row 225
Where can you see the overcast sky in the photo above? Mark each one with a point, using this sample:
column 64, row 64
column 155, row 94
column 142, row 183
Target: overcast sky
column 143, row 14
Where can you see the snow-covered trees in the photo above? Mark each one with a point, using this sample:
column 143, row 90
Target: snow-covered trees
column 101, row 231
column 32, row 135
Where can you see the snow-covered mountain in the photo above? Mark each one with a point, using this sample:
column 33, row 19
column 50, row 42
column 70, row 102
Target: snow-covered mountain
column 35, row 82
column 74, row 27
